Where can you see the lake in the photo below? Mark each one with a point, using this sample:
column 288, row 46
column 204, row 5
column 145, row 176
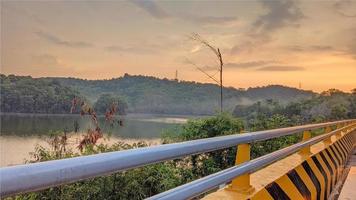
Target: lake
column 20, row 133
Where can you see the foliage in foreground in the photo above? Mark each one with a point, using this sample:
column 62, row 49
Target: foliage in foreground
column 138, row 183
column 147, row 181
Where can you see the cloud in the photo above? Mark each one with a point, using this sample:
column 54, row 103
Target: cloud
column 281, row 68
column 279, row 14
column 196, row 48
column 152, row 8
column 209, row 68
column 240, row 65
column 246, row 45
column 345, row 8
column 251, row 64
column 56, row 40
column 130, row 49
column 25, row 14
column 310, row 48
column 46, row 60
column 351, row 48
column 321, row 48
column 210, row 20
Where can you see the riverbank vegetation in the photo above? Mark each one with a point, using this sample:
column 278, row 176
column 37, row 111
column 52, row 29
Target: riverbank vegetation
column 146, row 181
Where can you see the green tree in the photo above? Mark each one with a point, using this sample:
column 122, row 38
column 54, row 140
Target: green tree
column 24, row 94
column 263, row 123
column 208, row 163
column 106, row 101
column 338, row 112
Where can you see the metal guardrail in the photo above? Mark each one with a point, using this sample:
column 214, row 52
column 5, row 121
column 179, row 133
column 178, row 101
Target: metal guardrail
column 37, row 176
column 210, row 182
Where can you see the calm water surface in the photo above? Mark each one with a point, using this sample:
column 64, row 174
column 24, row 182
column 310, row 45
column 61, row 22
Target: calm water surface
column 21, row 132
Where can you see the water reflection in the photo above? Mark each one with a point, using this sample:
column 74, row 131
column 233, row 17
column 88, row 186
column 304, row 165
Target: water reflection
column 133, row 127
column 21, row 132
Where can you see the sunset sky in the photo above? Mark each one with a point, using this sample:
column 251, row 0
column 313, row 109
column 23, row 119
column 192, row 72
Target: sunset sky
column 262, row 42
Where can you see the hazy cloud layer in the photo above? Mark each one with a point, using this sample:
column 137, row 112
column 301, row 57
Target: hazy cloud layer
column 241, row 65
column 280, row 13
column 310, row 48
column 147, row 37
column 351, row 49
column 210, row 20
column 22, row 12
column 281, row 68
column 56, row 40
column 152, row 8
column 345, row 8
column 251, row 64
column 45, row 60
column 130, row 49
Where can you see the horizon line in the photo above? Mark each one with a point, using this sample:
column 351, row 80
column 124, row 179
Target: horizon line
column 172, row 79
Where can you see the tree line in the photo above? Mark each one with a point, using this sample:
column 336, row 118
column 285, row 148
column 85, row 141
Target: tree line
column 24, row 94
column 145, row 94
column 330, row 105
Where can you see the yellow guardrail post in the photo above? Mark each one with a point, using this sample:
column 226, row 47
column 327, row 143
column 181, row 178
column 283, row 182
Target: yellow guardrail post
column 306, row 150
column 242, row 183
column 328, row 140
column 352, row 127
column 339, row 134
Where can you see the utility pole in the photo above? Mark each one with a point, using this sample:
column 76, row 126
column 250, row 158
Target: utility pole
column 221, row 80
column 217, row 52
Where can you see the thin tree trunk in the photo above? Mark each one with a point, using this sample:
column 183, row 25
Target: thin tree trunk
column 221, row 81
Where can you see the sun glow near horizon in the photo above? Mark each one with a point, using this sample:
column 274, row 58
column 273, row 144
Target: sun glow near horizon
column 262, row 42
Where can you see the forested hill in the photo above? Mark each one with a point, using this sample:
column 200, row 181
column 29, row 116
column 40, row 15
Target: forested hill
column 143, row 94
column 24, row 94
column 153, row 95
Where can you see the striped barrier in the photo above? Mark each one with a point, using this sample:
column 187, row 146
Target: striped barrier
column 314, row 178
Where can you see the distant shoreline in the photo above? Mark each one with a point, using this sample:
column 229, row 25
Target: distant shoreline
column 129, row 115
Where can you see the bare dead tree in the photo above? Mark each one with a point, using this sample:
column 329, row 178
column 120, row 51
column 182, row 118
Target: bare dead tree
column 196, row 37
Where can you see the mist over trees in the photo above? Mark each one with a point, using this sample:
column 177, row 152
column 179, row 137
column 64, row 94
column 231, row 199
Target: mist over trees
column 145, row 94
column 330, row 105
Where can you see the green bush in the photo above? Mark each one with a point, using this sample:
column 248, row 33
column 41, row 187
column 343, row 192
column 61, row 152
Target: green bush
column 211, row 162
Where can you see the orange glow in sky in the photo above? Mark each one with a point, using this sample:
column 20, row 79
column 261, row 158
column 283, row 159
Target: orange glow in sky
column 262, row 42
